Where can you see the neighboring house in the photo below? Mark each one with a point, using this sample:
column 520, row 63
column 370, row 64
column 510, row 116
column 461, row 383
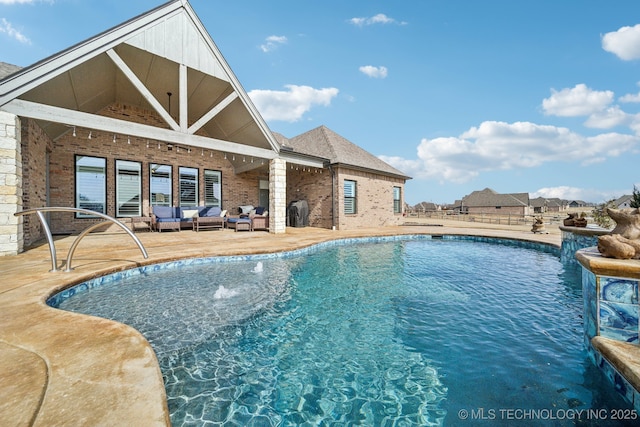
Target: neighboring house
column 623, row 202
column 426, row 207
column 487, row 201
column 150, row 113
column 543, row 205
column 578, row 204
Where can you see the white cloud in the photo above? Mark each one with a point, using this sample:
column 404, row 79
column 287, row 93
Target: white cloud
column 8, row 29
column 624, row 43
column 380, row 18
column 630, row 97
column 578, row 101
column 609, row 118
column 503, row 146
column 375, row 72
column 272, row 42
column 574, row 193
column 290, row 105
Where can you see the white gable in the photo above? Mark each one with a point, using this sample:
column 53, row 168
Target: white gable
column 170, row 38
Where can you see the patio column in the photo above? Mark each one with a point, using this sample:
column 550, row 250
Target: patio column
column 11, row 235
column 277, row 196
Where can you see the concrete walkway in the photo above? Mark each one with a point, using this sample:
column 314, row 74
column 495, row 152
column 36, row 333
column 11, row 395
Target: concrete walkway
column 62, row 368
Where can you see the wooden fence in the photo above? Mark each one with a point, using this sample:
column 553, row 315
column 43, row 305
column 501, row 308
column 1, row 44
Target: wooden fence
column 488, row 218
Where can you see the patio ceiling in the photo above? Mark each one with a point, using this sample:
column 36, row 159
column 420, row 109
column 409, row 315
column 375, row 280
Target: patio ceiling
column 98, row 83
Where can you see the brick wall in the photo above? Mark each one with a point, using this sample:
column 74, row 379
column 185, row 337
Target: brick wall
column 236, row 189
column 35, row 146
column 374, row 200
column 375, row 192
column 314, row 186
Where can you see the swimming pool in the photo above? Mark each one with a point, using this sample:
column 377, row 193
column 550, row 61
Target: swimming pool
column 398, row 331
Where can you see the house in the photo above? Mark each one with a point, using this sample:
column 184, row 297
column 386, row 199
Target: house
column 351, row 190
column 623, row 202
column 488, row 201
column 578, row 204
column 149, row 113
column 426, row 207
column 543, row 205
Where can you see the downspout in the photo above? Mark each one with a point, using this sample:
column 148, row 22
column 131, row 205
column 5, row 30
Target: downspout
column 333, row 200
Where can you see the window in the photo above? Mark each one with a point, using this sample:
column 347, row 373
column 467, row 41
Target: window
column 128, row 188
column 263, row 193
column 213, row 188
column 188, row 186
column 397, row 207
column 91, row 185
column 160, row 184
column 350, row 205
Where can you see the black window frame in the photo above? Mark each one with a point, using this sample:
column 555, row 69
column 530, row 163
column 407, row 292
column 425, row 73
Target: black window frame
column 76, row 201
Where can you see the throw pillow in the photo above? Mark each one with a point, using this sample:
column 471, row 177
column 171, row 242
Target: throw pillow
column 188, row 213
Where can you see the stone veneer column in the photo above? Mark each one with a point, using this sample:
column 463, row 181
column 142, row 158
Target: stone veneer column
column 11, row 234
column 277, row 196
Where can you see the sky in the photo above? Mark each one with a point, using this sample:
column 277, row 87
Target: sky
column 518, row 96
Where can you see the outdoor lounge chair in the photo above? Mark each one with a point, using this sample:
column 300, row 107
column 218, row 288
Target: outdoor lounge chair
column 164, row 218
column 259, row 219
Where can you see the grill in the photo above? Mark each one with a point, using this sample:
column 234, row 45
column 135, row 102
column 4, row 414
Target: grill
column 298, row 214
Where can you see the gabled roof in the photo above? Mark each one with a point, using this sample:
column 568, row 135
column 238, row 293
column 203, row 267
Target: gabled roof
column 7, row 69
column 623, row 200
column 324, row 143
column 489, row 197
column 544, row 201
column 164, row 61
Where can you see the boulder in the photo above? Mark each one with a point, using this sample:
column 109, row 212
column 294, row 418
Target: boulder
column 627, row 222
column 619, row 247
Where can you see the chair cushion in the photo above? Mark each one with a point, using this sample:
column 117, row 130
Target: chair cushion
column 167, row 219
column 164, row 211
column 212, row 211
column 259, row 210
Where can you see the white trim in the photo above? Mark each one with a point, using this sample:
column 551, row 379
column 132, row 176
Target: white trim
column 76, row 118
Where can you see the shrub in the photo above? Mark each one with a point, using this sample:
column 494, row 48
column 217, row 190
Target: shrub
column 600, row 215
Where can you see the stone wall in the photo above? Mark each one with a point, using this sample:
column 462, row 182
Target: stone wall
column 10, row 184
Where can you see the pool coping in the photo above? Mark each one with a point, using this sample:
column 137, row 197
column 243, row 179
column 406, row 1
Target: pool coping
column 68, row 368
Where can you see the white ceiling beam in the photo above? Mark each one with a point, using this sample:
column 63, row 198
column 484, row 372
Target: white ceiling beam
column 212, row 113
column 106, row 124
column 137, row 83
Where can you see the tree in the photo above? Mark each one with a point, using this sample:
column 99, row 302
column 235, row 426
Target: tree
column 635, row 201
column 600, row 215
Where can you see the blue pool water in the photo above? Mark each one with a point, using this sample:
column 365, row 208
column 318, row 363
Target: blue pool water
column 401, row 332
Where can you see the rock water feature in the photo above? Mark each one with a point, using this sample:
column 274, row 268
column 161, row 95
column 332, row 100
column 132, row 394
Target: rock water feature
column 538, row 226
column 624, row 240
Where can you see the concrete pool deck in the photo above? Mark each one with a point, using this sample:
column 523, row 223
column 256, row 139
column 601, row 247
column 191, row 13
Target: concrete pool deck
column 62, row 368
